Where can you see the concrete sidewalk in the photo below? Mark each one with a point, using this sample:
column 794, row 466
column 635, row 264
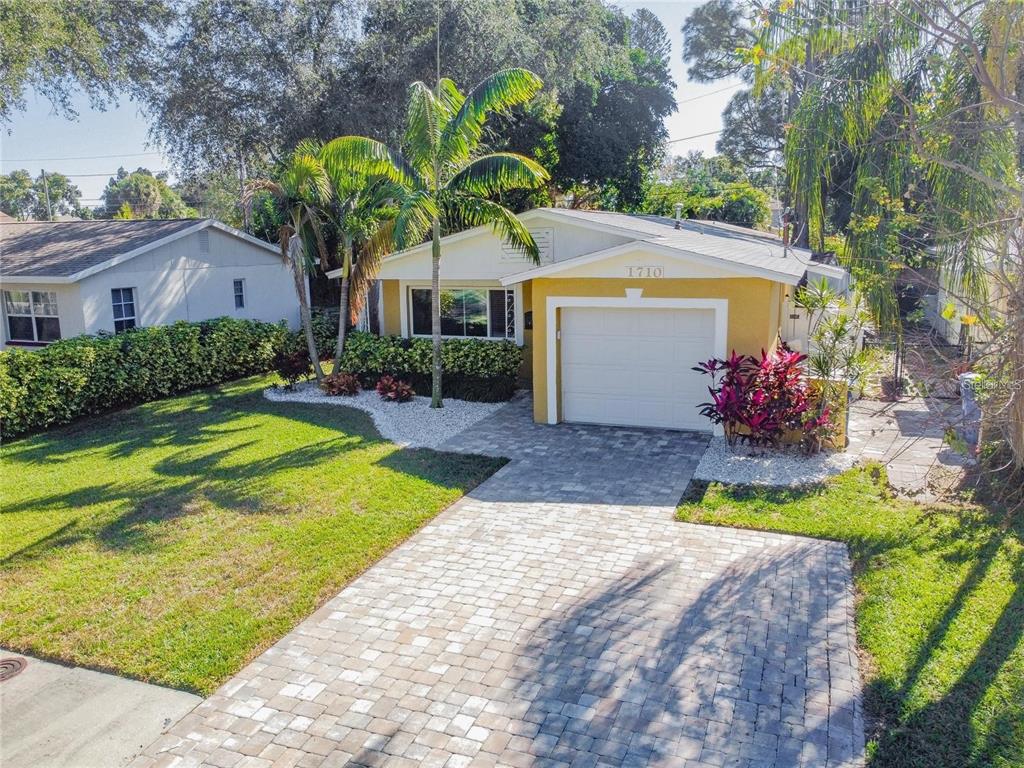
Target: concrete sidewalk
column 52, row 716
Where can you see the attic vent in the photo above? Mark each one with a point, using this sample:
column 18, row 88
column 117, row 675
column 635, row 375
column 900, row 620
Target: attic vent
column 544, row 239
column 204, row 241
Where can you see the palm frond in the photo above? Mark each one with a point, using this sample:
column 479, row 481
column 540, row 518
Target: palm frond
column 371, row 252
column 465, row 211
column 498, row 172
column 304, row 178
column 351, row 157
column 423, row 128
column 497, row 93
column 416, row 213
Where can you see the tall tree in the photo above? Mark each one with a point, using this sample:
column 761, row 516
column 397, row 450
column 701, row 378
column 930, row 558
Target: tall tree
column 59, row 48
column 925, row 97
column 361, row 208
column 147, row 196
column 610, row 135
column 449, row 182
column 299, row 191
column 23, row 197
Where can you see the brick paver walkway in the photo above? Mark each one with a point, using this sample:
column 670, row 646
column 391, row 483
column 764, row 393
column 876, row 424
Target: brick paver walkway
column 558, row 616
column 908, row 437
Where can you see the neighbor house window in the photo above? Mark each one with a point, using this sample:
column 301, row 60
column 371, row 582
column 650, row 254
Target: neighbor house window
column 239, row 294
column 469, row 312
column 32, row 316
column 124, row 308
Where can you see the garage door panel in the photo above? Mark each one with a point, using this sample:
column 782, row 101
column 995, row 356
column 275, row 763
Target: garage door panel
column 633, row 366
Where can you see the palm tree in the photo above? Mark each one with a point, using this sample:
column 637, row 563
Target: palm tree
column 447, row 181
column 362, row 209
column 299, row 190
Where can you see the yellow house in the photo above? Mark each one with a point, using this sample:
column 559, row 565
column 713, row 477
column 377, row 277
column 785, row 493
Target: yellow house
column 615, row 315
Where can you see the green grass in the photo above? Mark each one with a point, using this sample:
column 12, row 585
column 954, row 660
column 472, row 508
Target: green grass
column 940, row 612
column 174, row 541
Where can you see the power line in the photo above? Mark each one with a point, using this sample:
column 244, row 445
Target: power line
column 695, row 136
column 711, row 93
column 80, row 157
column 91, row 175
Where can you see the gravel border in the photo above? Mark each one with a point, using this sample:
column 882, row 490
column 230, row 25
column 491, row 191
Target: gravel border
column 743, row 465
column 413, row 424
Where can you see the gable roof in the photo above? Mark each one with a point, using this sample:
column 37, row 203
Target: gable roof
column 67, row 251
column 743, row 250
column 736, row 246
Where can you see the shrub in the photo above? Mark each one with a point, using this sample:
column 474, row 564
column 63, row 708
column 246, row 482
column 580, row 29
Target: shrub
column 92, row 374
column 474, row 369
column 340, row 383
column 395, row 390
column 758, row 400
column 292, row 363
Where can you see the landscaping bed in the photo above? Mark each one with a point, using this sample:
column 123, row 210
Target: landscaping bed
column 940, row 610
column 413, row 423
column 174, row 541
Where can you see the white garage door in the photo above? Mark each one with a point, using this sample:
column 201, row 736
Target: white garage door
column 633, row 366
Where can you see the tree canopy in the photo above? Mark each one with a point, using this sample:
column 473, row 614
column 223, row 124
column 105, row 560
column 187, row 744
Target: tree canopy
column 60, row 47
column 24, row 197
column 141, row 195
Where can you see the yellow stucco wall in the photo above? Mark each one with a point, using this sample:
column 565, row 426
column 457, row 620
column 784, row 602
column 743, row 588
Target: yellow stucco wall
column 392, row 298
column 753, row 320
column 526, row 369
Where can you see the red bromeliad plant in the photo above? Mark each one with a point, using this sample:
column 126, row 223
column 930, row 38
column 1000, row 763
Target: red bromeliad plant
column 757, row 400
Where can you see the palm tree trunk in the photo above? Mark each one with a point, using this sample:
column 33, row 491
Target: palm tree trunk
column 435, row 307
column 342, row 319
column 305, row 316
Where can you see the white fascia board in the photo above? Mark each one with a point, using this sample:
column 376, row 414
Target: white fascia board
column 675, row 253
column 35, row 279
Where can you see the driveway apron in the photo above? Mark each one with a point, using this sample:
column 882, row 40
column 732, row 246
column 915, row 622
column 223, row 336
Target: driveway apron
column 558, row 616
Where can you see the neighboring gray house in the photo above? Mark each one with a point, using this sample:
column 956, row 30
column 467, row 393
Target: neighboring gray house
column 63, row 279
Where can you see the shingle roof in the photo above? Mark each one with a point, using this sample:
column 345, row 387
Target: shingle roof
column 65, row 248
column 707, row 238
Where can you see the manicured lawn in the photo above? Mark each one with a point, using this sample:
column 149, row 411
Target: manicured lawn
column 174, row 541
column 940, row 612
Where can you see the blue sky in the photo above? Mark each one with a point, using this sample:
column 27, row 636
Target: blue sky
column 118, row 137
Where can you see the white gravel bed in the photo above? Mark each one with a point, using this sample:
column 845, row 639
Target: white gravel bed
column 412, row 424
column 787, row 466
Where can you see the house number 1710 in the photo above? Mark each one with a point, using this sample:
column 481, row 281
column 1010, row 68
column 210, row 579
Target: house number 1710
column 645, row 271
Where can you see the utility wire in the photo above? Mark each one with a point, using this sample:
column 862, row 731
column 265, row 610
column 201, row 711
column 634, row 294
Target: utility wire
column 711, row 93
column 695, row 136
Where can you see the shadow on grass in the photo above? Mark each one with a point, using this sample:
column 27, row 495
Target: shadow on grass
column 195, row 469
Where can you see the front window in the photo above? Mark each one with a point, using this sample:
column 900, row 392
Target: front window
column 467, row 312
column 32, row 316
column 239, row 294
column 123, row 300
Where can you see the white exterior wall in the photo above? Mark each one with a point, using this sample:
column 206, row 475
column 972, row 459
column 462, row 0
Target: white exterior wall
column 69, row 307
column 178, row 282
column 482, row 255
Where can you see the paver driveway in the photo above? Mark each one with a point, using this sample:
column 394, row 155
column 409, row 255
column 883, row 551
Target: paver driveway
column 559, row 616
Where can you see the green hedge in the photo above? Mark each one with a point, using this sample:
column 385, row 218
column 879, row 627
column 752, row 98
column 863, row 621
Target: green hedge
column 91, row 374
column 474, row 369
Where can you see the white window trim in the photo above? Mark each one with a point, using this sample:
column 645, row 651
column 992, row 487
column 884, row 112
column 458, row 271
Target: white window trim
column 632, row 299
column 31, row 315
column 234, row 294
column 135, row 306
column 405, row 299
